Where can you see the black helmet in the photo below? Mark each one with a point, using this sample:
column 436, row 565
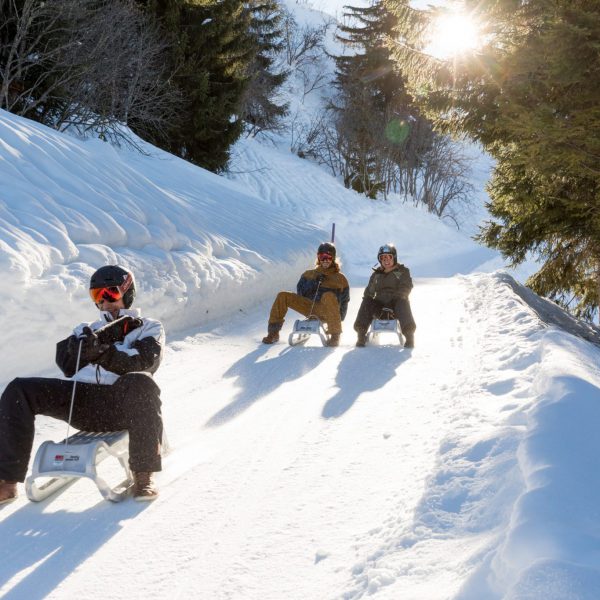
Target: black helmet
column 327, row 248
column 388, row 249
column 115, row 276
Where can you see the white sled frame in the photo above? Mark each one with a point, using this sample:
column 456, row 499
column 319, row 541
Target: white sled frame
column 384, row 325
column 64, row 463
column 304, row 329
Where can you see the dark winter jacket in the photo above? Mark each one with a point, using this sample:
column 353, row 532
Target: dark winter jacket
column 387, row 287
column 140, row 350
column 334, row 281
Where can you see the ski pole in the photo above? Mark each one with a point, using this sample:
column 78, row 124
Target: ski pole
column 332, row 233
column 73, row 392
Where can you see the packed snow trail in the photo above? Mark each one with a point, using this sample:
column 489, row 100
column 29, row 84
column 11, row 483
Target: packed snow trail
column 308, row 472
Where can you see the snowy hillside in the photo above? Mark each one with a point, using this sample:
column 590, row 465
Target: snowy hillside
column 465, row 469
column 201, row 246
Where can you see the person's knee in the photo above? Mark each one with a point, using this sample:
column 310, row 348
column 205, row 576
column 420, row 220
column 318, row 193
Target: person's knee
column 12, row 387
column 137, row 384
column 14, row 390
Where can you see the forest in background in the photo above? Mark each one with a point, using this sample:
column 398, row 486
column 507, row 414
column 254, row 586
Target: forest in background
column 193, row 76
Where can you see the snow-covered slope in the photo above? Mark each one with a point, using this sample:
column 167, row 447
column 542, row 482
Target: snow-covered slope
column 465, row 469
column 193, row 239
column 201, row 246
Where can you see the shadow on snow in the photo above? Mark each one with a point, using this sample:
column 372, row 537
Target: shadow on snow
column 257, row 378
column 51, row 546
column 363, row 370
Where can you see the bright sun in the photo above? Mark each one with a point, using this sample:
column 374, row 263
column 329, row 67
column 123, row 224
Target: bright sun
column 453, row 34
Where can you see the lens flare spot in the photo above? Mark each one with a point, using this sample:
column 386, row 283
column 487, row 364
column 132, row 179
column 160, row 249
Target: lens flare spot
column 397, row 131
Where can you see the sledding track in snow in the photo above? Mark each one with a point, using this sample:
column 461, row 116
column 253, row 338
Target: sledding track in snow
column 309, row 472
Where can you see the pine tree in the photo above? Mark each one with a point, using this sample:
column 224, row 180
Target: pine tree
column 261, row 109
column 224, row 51
column 531, row 96
column 213, row 48
column 375, row 114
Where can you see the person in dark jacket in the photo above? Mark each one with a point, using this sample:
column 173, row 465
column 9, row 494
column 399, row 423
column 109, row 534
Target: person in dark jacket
column 388, row 287
column 115, row 389
column 323, row 292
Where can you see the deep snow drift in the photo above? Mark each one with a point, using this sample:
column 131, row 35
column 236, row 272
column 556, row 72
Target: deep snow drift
column 467, row 468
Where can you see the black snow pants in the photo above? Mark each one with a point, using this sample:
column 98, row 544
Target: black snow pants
column 371, row 309
column 132, row 403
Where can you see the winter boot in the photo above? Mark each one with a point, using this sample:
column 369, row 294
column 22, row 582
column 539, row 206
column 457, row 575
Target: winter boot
column 409, row 342
column 144, row 487
column 361, row 340
column 273, row 333
column 334, row 340
column 8, row 491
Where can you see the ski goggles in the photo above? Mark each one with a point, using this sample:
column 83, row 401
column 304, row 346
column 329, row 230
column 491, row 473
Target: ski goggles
column 324, row 256
column 111, row 293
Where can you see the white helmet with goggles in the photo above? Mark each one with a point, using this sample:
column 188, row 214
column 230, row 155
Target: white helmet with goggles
column 387, row 249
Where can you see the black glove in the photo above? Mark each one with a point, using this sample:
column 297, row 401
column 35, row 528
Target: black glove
column 91, row 347
column 320, row 278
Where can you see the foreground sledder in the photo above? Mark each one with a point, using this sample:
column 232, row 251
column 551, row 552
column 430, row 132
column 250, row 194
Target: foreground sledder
column 388, row 288
column 323, row 296
column 110, row 364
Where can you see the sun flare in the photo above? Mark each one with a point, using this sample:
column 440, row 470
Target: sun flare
column 453, row 34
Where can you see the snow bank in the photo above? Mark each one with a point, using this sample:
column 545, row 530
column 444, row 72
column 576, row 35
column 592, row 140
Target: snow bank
column 200, row 246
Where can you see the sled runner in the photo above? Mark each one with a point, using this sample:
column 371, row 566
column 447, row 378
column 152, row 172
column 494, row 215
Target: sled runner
column 63, row 463
column 304, row 329
column 386, row 323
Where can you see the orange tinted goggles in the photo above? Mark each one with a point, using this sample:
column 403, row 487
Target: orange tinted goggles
column 110, row 294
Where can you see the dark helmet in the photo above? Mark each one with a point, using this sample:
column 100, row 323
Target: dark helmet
column 388, row 249
column 327, row 248
column 115, row 276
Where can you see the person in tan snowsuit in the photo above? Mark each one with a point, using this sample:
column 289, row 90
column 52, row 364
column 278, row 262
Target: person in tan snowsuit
column 322, row 292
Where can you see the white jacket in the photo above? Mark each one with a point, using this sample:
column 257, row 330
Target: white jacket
column 93, row 373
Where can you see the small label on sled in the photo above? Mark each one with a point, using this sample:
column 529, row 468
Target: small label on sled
column 60, row 459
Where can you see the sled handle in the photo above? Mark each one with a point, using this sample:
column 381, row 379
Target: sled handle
column 73, row 392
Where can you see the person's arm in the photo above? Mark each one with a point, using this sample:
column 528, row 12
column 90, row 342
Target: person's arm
column 147, row 356
column 404, row 283
column 344, row 300
column 145, row 353
column 66, row 355
column 307, row 285
column 370, row 289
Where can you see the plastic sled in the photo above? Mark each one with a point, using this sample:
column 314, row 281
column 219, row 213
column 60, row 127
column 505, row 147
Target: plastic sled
column 61, row 464
column 385, row 324
column 304, row 329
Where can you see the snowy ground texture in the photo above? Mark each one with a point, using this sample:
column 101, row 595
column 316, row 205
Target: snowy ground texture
column 465, row 469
